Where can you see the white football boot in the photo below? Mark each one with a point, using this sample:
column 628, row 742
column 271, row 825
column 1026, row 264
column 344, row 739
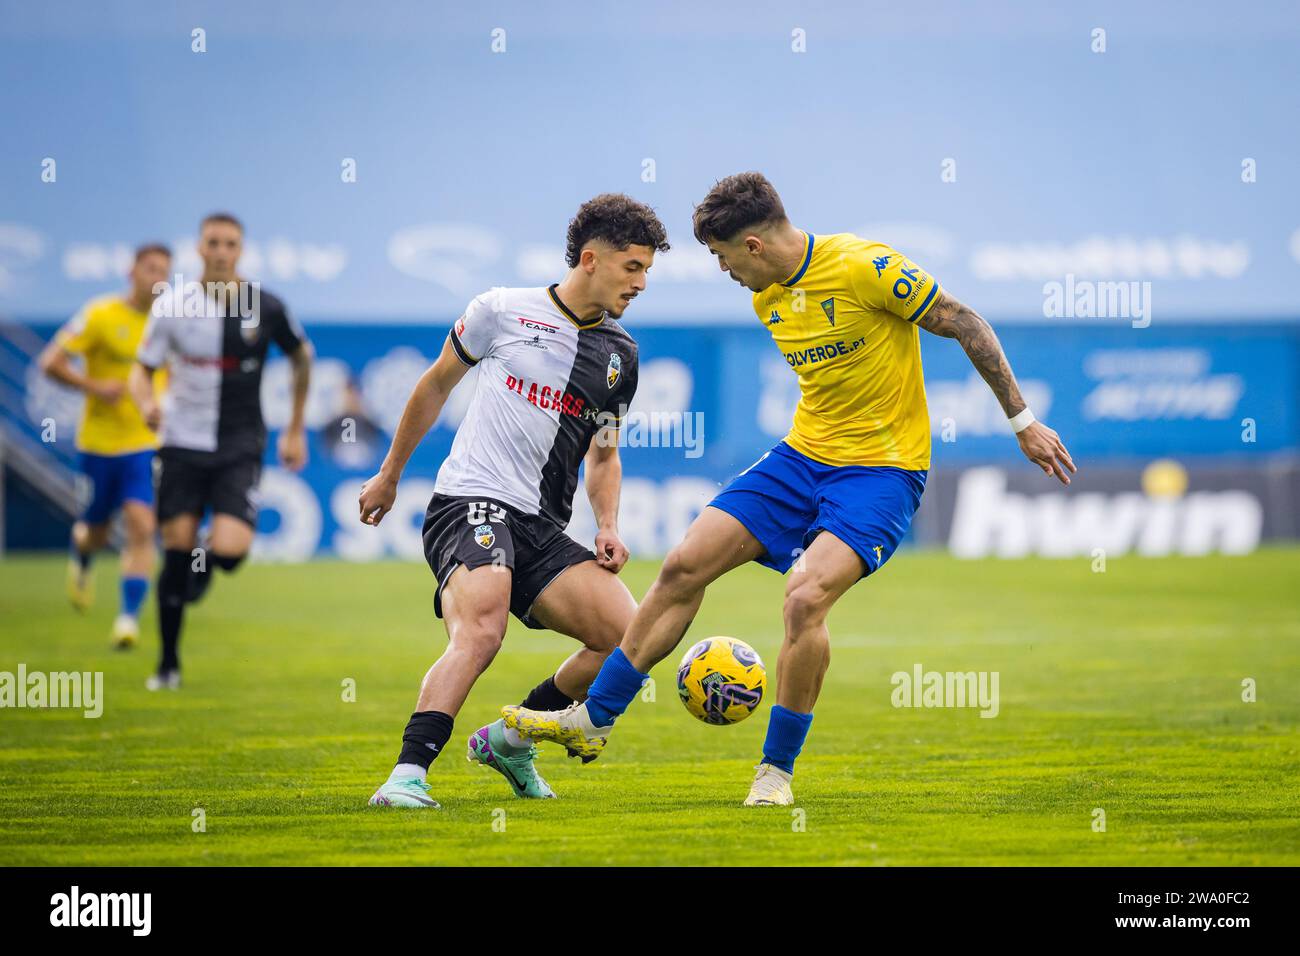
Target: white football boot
column 126, row 632
column 771, row 787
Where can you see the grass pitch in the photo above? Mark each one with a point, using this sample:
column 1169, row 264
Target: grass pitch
column 1120, row 691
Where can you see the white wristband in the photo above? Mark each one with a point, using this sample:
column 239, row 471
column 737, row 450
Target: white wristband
column 1022, row 420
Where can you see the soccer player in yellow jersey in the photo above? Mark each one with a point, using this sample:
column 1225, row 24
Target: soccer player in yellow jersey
column 116, row 446
column 832, row 500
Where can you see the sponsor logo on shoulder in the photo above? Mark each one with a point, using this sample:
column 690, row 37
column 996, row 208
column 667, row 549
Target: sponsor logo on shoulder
column 615, row 370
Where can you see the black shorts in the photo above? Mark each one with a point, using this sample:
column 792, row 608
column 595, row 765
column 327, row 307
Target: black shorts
column 190, row 482
column 476, row 531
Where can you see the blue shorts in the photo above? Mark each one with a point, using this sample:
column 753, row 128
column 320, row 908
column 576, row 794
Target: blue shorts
column 786, row 499
column 115, row 479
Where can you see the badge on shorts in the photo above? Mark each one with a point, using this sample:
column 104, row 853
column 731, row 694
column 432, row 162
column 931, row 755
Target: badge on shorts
column 484, row 535
column 615, row 369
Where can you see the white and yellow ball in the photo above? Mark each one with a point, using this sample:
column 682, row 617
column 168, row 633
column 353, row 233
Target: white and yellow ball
column 721, row 680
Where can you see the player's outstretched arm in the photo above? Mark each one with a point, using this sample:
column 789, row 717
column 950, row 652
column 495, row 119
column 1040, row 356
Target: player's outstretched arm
column 293, row 440
column 422, row 410
column 604, row 470
column 953, row 320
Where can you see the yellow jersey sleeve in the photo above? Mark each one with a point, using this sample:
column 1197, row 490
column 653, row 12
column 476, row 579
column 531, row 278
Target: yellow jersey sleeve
column 883, row 279
column 79, row 333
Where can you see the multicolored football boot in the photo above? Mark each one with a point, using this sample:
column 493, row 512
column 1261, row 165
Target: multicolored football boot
column 571, row 728
column 488, row 746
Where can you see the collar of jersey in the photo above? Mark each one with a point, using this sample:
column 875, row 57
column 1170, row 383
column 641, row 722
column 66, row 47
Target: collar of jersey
column 126, row 301
column 550, row 290
column 803, row 266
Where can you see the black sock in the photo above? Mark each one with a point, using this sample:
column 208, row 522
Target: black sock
column 199, row 581
column 196, row 580
column 173, row 583
column 427, row 732
column 546, row 696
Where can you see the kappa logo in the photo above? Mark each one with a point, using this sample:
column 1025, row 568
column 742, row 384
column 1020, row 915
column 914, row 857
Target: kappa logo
column 485, row 536
column 828, row 306
column 881, row 263
column 776, row 317
column 615, row 370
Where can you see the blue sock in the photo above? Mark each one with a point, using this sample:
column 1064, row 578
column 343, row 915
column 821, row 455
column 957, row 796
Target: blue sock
column 786, row 730
column 613, row 689
column 133, row 591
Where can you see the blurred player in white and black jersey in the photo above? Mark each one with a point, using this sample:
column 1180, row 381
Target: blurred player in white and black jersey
column 556, row 373
column 213, row 337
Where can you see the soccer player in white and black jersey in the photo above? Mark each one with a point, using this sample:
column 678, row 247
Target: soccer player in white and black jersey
column 556, row 373
column 213, row 337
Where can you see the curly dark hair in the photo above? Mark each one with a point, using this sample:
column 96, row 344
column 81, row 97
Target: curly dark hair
column 617, row 219
column 735, row 203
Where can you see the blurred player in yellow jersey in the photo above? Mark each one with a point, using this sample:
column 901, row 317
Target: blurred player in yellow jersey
column 116, row 446
column 831, row 502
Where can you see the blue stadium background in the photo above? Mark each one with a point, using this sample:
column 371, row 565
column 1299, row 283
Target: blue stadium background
column 994, row 143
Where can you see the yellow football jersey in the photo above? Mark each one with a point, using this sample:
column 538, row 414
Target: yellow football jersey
column 106, row 333
column 845, row 323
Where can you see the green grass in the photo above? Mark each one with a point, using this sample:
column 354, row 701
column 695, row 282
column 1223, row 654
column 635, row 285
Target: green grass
column 1119, row 690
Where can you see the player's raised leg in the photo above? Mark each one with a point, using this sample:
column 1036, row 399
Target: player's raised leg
column 475, row 605
column 228, row 542
column 586, row 602
column 816, row 581
column 715, row 543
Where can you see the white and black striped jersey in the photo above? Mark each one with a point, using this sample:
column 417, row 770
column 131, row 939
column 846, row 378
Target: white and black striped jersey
column 546, row 383
column 213, row 401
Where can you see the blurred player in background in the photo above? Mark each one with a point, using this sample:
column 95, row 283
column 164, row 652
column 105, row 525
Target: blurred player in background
column 836, row 496
column 116, row 445
column 556, row 375
column 214, row 335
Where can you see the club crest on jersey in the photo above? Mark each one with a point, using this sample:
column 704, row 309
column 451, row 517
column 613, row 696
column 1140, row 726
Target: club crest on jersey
column 828, row 306
column 484, row 535
column 615, row 370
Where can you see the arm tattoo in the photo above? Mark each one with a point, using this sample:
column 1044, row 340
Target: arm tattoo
column 951, row 319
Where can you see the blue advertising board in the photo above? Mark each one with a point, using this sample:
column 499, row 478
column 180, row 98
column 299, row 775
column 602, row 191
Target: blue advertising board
column 712, row 399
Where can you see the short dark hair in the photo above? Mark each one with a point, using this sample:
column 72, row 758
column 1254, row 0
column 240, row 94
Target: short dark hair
column 617, row 219
column 151, row 247
column 735, row 203
column 221, row 217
